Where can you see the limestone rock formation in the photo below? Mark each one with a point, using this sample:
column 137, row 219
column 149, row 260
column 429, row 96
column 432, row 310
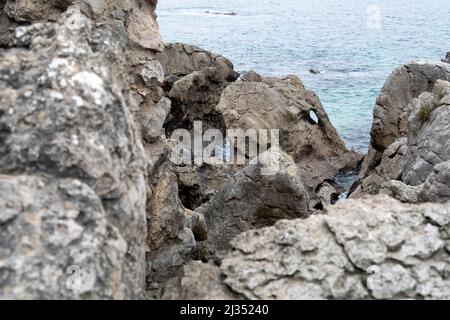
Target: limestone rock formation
column 58, row 242
column 429, row 134
column 417, row 159
column 138, row 15
column 447, row 58
column 370, row 248
column 188, row 287
column 172, row 229
column 194, row 80
column 255, row 198
column 256, row 102
column 435, row 189
column 66, row 130
column 392, row 110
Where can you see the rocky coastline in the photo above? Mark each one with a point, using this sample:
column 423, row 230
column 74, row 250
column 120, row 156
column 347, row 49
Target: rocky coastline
column 92, row 207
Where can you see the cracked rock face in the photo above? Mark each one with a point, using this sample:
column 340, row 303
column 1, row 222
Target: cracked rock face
column 194, row 80
column 255, row 198
column 142, row 28
column 415, row 168
column 255, row 102
column 173, row 231
column 51, row 230
column 370, row 248
column 63, row 118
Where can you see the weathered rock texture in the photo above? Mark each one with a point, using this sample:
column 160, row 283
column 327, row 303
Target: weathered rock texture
column 138, row 15
column 418, row 160
column 392, row 108
column 58, row 242
column 66, row 129
column 173, row 231
column 255, row 102
column 254, row 199
column 194, row 80
column 371, row 248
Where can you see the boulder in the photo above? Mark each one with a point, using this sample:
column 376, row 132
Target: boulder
column 370, row 248
column 306, row 134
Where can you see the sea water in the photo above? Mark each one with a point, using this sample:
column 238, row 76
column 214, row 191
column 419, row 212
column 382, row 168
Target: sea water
column 355, row 43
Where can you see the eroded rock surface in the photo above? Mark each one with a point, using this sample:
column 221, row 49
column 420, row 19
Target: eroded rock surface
column 392, row 108
column 57, row 242
column 255, row 102
column 413, row 168
column 370, row 248
column 258, row 196
column 194, row 80
column 64, row 120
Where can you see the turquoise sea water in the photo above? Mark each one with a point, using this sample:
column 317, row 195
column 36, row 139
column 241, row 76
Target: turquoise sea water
column 356, row 43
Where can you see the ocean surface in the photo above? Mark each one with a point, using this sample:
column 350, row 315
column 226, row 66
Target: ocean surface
column 355, row 43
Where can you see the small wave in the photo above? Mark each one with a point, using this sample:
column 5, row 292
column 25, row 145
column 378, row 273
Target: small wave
column 222, row 13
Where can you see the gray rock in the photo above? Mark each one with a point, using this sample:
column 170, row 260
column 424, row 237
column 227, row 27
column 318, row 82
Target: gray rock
column 172, row 229
column 194, row 82
column 56, row 242
column 180, row 60
column 63, row 117
column 414, row 169
column 255, row 199
column 138, row 15
column 188, row 287
column 435, row 189
column 392, row 107
column 370, row 248
column 429, row 134
column 447, row 58
column 390, row 168
column 306, row 134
